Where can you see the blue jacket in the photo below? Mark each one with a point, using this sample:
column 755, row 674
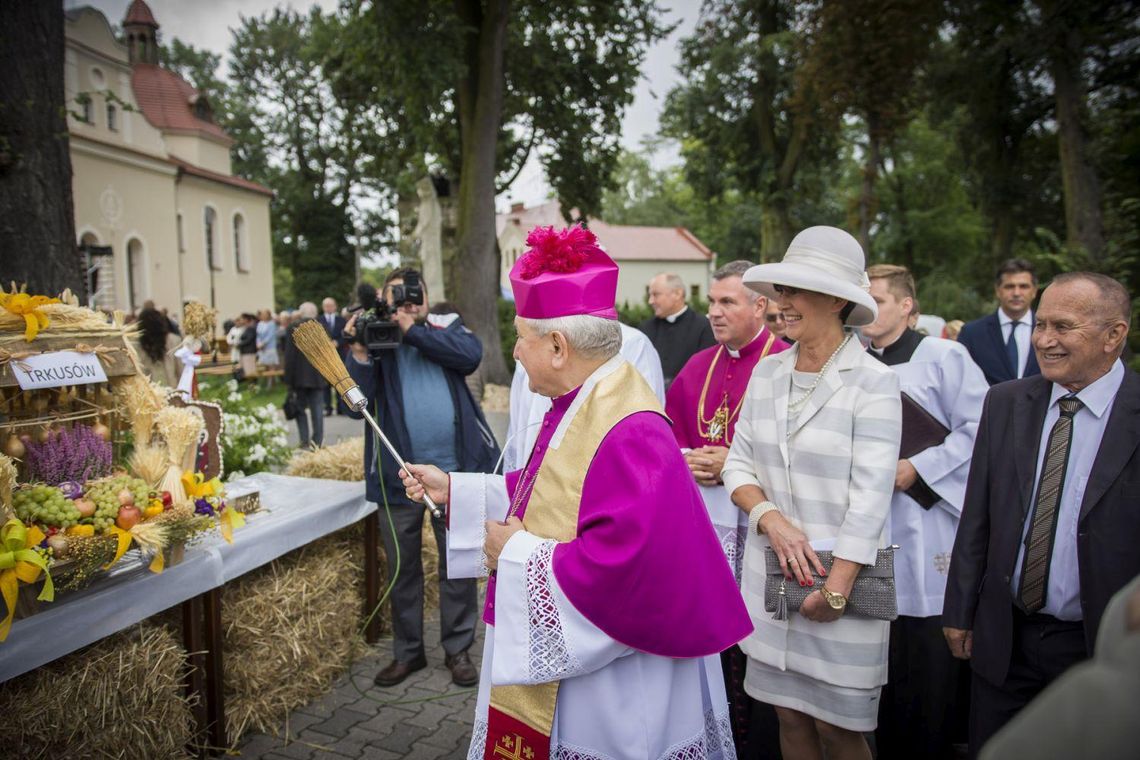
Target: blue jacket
column 458, row 351
column 982, row 338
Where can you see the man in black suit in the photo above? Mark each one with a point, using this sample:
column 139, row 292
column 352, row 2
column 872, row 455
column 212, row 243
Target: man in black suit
column 1050, row 527
column 1000, row 342
column 675, row 330
column 333, row 323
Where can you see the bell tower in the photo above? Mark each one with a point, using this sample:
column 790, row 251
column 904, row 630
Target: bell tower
column 141, row 33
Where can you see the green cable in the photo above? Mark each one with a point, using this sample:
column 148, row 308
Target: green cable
column 391, row 582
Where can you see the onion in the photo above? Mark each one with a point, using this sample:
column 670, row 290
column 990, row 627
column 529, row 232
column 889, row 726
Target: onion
column 126, row 498
column 14, row 447
column 101, row 430
column 58, row 542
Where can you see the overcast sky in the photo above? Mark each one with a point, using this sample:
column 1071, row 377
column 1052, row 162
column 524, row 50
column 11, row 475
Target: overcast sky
column 207, row 24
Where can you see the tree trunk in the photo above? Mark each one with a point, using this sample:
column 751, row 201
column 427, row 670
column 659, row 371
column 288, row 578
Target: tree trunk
column 1078, row 175
column 775, row 229
column 480, row 98
column 37, row 226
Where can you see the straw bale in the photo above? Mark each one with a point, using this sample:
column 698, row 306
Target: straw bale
column 290, row 629
column 122, row 697
column 341, row 461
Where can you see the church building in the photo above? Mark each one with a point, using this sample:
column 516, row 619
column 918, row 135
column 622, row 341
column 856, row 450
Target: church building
column 159, row 213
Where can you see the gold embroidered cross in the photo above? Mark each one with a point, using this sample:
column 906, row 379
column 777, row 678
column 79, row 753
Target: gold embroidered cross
column 513, row 748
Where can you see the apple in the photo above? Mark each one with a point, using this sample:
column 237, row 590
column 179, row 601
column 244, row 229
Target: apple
column 86, row 507
column 129, row 515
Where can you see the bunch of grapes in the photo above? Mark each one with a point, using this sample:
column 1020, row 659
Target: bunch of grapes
column 105, row 494
column 45, row 505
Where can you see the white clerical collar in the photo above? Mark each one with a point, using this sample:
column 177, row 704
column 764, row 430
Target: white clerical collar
column 735, row 353
column 1004, row 319
column 673, row 318
column 1097, row 396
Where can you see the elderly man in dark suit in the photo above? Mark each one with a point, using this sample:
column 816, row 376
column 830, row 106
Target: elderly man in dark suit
column 1000, row 343
column 1050, row 528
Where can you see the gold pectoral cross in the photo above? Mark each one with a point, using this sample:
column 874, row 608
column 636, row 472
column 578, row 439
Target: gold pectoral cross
column 719, row 423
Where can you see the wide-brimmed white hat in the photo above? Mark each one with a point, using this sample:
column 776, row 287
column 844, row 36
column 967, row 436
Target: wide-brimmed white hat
column 824, row 260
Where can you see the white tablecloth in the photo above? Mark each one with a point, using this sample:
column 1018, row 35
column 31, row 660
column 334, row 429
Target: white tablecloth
column 295, row 511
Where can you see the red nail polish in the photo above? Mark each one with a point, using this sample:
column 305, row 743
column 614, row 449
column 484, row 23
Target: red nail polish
column 802, row 583
column 811, row 583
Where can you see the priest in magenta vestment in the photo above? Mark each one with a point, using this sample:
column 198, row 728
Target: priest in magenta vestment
column 609, row 598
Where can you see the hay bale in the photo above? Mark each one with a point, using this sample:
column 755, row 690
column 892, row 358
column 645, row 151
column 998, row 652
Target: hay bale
column 496, row 398
column 122, row 697
column 290, row 629
column 342, row 461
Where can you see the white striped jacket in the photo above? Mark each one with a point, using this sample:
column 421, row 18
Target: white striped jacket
column 831, row 471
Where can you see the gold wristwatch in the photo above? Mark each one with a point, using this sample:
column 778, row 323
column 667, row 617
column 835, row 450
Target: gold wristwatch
column 834, row 599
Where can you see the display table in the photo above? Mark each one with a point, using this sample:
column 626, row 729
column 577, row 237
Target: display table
column 294, row 512
column 127, row 595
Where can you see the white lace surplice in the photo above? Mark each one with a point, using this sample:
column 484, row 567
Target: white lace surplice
column 614, row 701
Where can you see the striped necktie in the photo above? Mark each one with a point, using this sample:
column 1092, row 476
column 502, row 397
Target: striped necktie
column 1039, row 542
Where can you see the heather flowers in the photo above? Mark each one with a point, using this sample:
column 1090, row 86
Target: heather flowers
column 77, row 453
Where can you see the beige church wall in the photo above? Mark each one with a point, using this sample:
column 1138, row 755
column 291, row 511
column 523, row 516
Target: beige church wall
column 120, row 197
column 88, row 69
column 634, row 277
column 200, row 152
column 91, row 26
column 235, row 291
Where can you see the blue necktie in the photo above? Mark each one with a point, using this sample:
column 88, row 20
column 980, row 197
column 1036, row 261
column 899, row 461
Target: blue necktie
column 1011, row 346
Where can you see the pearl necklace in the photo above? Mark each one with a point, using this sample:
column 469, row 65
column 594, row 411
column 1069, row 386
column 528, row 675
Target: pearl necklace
column 796, row 405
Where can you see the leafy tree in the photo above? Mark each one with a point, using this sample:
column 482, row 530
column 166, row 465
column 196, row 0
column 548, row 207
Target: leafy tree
column 473, row 87
column 311, row 146
column 863, row 62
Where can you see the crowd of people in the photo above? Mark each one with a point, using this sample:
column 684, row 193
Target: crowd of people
column 795, row 526
column 928, row 542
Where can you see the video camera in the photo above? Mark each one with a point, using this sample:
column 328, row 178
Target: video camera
column 375, row 328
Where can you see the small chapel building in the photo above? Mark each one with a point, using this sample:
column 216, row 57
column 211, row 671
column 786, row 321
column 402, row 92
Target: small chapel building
column 159, row 214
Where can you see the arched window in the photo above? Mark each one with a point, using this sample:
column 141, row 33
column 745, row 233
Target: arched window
column 211, row 229
column 241, row 255
column 136, row 274
column 112, row 117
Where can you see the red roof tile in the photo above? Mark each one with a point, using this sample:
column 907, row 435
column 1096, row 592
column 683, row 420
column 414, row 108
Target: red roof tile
column 225, row 179
column 139, row 13
column 167, row 101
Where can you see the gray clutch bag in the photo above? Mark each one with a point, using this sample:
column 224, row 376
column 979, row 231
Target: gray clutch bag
column 872, row 596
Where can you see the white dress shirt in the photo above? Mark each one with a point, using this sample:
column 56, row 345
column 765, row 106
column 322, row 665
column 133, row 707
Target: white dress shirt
column 674, row 317
column 1063, row 593
column 1023, row 338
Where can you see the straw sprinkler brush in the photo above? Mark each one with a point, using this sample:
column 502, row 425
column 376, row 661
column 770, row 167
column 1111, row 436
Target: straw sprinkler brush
column 314, row 343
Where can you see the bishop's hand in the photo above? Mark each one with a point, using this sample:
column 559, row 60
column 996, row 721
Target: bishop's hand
column 498, row 533
column 417, row 477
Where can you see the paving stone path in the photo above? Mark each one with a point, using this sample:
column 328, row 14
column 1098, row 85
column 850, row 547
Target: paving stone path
column 424, row 718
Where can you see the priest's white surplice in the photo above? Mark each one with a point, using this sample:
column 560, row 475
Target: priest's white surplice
column 613, row 701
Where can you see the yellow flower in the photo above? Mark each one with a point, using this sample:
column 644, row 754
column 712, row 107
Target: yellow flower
column 197, row 487
column 26, row 306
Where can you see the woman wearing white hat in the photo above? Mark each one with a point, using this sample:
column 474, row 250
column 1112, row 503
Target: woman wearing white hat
column 813, row 465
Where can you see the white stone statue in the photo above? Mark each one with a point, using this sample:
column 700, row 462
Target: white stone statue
column 429, row 235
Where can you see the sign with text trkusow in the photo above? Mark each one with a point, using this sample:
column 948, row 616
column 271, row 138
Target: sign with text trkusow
column 58, row 368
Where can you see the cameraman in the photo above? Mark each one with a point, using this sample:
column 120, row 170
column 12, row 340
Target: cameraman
column 418, row 396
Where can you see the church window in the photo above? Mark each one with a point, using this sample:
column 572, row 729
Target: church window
column 241, row 256
column 211, row 230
